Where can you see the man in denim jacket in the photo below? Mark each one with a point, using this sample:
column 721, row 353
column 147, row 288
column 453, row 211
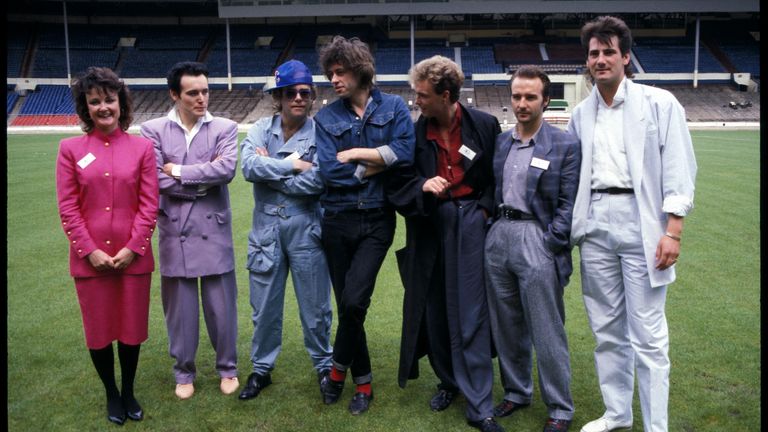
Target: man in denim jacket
column 359, row 138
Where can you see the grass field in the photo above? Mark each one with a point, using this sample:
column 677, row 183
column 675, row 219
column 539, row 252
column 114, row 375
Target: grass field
column 713, row 312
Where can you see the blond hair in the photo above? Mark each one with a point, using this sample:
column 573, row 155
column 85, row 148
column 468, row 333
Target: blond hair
column 442, row 72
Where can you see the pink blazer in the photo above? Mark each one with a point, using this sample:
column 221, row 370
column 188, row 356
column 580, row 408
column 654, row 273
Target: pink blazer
column 107, row 193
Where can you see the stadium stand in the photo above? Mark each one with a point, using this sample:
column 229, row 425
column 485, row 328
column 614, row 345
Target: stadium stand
column 671, row 55
column 479, row 59
column 48, row 105
column 11, row 98
column 37, row 50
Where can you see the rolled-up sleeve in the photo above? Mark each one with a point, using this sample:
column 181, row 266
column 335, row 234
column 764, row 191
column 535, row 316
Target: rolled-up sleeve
column 678, row 161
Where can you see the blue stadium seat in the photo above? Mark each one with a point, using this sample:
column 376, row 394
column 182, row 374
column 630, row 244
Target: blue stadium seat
column 49, row 99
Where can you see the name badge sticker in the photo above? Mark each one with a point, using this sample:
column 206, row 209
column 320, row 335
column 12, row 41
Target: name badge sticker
column 540, row 163
column 86, row 160
column 292, row 156
column 467, row 152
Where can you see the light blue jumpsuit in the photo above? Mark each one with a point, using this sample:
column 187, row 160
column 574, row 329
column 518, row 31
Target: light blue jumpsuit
column 286, row 234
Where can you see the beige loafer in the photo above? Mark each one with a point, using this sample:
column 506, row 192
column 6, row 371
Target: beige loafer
column 185, row 391
column 229, row 385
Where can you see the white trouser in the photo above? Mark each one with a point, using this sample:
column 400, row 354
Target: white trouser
column 625, row 313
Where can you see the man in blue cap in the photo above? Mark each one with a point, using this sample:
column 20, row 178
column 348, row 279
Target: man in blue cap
column 279, row 158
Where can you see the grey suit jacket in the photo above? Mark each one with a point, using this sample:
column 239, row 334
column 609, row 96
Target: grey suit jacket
column 549, row 192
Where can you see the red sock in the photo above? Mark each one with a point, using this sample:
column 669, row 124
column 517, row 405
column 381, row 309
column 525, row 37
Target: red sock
column 364, row 388
column 338, row 375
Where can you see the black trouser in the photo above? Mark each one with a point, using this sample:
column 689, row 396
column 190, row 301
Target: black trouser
column 355, row 243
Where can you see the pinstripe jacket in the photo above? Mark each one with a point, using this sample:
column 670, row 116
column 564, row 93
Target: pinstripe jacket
column 550, row 192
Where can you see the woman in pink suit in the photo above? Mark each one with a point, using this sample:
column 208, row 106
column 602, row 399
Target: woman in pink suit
column 107, row 191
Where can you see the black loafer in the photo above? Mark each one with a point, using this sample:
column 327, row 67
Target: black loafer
column 116, row 411
column 255, row 384
column 507, row 407
column 359, row 403
column 133, row 409
column 331, row 389
column 442, row 399
column 486, row 425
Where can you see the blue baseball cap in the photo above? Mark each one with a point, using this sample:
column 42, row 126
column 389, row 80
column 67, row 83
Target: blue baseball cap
column 291, row 73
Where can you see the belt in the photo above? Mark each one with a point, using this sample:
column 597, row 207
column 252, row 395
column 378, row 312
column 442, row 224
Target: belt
column 512, row 214
column 614, row 190
column 286, row 210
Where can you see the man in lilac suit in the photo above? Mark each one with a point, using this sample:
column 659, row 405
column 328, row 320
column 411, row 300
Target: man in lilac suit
column 196, row 158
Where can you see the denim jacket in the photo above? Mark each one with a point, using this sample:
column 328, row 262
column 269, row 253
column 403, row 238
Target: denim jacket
column 273, row 178
column 386, row 126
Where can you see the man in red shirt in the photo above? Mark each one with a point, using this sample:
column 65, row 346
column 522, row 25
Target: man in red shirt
column 446, row 197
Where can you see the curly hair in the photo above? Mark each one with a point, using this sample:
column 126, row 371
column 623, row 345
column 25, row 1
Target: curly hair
column 603, row 28
column 105, row 79
column 353, row 54
column 442, row 72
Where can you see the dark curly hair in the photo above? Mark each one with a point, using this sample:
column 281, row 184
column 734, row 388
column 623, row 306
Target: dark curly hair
column 353, row 54
column 105, row 79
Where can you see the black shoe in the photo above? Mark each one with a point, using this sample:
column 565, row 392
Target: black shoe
column 486, row 425
column 507, row 407
column 116, row 411
column 330, row 389
column 442, row 399
column 556, row 425
column 359, row 403
column 322, row 374
column 132, row 408
column 255, row 384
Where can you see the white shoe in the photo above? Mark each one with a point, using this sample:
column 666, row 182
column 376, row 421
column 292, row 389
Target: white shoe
column 185, row 391
column 229, row 385
column 604, row 425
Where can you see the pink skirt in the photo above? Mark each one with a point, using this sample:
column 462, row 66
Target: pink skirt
column 114, row 307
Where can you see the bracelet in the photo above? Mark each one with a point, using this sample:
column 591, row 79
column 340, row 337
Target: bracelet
column 673, row 237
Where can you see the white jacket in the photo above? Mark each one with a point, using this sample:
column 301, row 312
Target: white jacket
column 661, row 164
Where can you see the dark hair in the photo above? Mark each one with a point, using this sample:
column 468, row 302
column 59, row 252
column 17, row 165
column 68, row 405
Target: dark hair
column 277, row 98
column 603, row 28
column 442, row 72
column 184, row 68
column 533, row 72
column 104, row 79
column 353, row 54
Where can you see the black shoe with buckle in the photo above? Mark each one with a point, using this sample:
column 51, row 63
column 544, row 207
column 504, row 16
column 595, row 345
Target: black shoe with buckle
column 331, row 389
column 486, row 425
column 507, row 407
column 255, row 384
column 442, row 399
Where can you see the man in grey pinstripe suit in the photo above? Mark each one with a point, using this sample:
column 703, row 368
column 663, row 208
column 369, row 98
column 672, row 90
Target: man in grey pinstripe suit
column 528, row 255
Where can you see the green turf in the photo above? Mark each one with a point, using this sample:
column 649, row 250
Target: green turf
column 713, row 312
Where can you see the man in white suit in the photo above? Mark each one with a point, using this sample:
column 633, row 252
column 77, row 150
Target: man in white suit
column 636, row 186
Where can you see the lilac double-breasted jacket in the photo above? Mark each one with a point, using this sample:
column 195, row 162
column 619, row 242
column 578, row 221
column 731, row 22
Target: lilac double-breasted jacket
column 195, row 226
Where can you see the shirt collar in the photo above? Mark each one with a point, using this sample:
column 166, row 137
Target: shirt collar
column 618, row 98
column 107, row 137
column 534, row 137
column 173, row 115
